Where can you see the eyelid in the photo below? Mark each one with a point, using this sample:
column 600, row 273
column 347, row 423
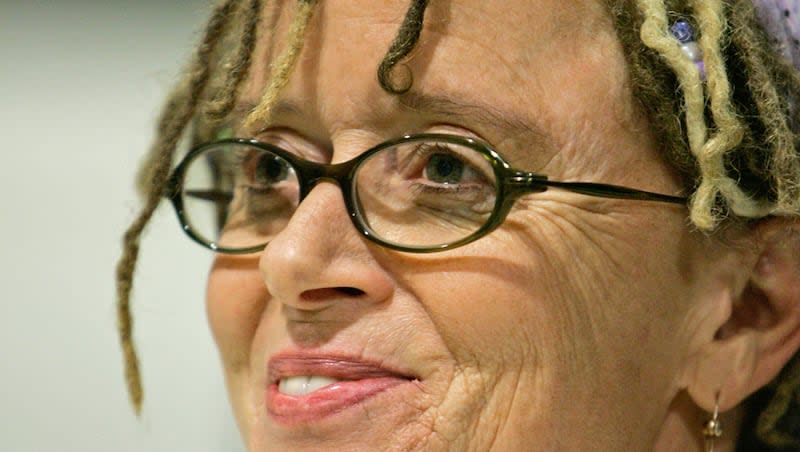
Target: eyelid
column 295, row 143
column 454, row 129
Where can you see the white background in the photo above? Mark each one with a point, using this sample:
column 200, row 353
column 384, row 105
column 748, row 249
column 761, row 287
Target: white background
column 80, row 86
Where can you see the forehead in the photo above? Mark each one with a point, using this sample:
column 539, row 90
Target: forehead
column 514, row 33
column 535, row 60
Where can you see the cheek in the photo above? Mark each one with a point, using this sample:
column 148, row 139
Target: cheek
column 236, row 298
column 555, row 297
column 491, row 311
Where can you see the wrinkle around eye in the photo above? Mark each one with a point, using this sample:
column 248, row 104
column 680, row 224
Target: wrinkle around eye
column 581, row 221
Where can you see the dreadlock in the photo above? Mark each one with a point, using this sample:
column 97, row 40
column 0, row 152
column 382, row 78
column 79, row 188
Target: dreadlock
column 237, row 69
column 403, row 44
column 285, row 62
column 733, row 137
column 176, row 114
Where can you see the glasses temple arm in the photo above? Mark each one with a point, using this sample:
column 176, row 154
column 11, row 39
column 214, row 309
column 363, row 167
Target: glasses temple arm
column 537, row 182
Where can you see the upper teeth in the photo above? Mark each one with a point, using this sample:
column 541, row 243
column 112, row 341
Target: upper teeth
column 303, row 384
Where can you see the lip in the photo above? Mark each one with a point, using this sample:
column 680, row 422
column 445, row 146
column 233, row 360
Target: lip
column 361, row 381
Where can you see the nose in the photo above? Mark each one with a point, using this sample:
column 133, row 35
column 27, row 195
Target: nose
column 319, row 258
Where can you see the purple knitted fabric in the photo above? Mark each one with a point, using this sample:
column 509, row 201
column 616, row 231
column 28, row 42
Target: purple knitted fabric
column 781, row 19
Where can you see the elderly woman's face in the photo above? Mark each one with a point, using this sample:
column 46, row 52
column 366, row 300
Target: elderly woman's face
column 561, row 329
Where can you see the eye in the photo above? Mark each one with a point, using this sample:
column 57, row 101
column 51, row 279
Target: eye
column 444, row 168
column 443, row 164
column 270, row 169
column 262, row 169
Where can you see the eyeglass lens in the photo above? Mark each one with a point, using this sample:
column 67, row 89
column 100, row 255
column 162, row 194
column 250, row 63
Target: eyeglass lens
column 425, row 193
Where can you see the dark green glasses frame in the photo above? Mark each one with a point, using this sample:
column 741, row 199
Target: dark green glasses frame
column 510, row 185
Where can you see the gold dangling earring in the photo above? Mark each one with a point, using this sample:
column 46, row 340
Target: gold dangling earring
column 712, row 429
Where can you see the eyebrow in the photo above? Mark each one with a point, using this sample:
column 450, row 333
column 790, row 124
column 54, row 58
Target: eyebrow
column 283, row 107
column 441, row 105
column 484, row 114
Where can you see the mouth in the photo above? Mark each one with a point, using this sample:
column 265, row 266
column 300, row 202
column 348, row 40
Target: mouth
column 307, row 389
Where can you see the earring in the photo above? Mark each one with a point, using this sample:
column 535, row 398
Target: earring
column 712, row 429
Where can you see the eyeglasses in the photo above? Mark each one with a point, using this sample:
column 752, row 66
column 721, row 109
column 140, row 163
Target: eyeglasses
column 419, row 193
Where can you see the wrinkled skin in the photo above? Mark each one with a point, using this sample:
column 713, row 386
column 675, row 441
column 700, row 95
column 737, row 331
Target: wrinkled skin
column 571, row 327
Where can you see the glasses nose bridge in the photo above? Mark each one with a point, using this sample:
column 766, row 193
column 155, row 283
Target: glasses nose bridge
column 312, row 173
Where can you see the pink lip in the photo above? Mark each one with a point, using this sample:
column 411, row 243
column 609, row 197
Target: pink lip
column 361, row 381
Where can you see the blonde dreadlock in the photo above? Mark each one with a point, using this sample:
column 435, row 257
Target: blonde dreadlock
column 284, row 64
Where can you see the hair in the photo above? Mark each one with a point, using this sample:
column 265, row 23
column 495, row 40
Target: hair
column 733, row 137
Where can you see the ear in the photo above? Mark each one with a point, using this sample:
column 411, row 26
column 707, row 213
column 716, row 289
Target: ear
column 757, row 323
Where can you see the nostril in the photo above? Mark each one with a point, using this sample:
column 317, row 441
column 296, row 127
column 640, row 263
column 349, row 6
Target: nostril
column 331, row 293
column 352, row 291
